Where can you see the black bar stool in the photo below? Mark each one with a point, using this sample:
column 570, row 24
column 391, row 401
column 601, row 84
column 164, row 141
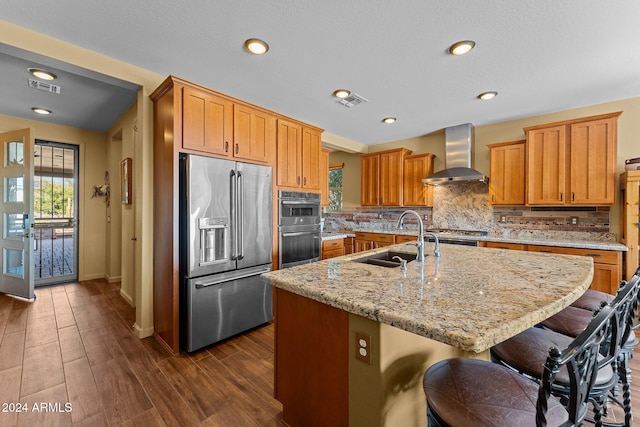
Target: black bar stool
column 469, row 392
column 524, row 353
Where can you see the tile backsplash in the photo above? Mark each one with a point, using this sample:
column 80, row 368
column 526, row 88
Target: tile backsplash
column 465, row 206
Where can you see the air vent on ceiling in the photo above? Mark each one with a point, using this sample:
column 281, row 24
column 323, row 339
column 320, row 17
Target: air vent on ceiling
column 47, row 87
column 352, row 100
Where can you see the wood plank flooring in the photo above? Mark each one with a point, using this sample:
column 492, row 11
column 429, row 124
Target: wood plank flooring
column 75, row 346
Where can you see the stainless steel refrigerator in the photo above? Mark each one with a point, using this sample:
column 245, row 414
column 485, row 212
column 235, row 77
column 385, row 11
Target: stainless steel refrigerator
column 225, row 244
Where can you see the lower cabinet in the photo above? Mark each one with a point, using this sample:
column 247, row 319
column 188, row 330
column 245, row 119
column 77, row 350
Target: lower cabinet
column 349, row 245
column 332, row 248
column 501, row 245
column 367, row 241
column 607, row 265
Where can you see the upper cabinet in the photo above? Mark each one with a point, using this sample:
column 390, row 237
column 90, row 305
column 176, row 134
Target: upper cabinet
column 298, row 151
column 506, row 173
column 207, row 123
column 254, row 133
column 414, row 192
column 572, row 162
column 215, row 124
column 324, row 177
column 382, row 178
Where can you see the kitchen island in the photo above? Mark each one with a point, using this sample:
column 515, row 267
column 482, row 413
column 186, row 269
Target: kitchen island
column 353, row 340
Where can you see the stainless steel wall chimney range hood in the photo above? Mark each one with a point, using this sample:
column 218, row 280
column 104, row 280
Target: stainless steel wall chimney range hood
column 458, row 158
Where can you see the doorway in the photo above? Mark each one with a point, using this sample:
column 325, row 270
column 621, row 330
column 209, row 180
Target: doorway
column 55, row 190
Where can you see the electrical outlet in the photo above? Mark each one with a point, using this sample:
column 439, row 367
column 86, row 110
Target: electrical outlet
column 503, row 218
column 574, row 220
column 363, row 347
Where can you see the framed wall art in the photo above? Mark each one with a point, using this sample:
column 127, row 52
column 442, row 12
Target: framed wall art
column 125, row 181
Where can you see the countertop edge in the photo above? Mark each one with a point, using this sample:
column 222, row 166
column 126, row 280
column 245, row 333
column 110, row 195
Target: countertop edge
column 577, row 244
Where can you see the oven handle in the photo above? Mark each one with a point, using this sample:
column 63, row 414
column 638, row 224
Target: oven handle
column 296, row 202
column 300, row 233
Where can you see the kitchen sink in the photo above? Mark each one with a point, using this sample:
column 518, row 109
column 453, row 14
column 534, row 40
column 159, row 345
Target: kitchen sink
column 385, row 259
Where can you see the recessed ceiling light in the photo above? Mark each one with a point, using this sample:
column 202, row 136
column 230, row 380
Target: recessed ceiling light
column 460, row 48
column 256, row 46
column 42, row 74
column 485, row 96
column 39, row 110
column 341, row 93
column 389, row 120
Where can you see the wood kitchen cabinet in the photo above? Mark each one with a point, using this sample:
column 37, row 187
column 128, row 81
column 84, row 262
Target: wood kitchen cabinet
column 324, row 177
column 414, row 192
column 506, row 173
column 254, row 133
column 332, row 248
column 546, row 149
column 572, row 162
column 349, row 245
column 382, row 178
column 215, row 124
column 504, row 245
column 298, row 153
column 630, row 220
column 207, row 122
column 366, row 241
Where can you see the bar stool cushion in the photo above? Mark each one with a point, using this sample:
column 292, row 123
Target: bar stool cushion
column 528, row 351
column 571, row 321
column 469, row 392
column 592, row 299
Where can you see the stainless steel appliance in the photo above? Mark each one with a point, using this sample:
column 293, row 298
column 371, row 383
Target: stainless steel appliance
column 225, row 244
column 298, row 228
column 450, row 236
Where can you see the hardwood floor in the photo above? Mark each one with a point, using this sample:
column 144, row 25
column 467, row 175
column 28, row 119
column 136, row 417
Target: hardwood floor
column 75, row 346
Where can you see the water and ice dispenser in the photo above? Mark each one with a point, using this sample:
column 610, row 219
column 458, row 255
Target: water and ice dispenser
column 214, row 234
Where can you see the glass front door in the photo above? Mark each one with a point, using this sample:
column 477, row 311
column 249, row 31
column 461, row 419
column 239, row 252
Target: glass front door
column 55, row 208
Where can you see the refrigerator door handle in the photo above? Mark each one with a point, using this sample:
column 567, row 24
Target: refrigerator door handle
column 234, row 214
column 204, row 283
column 240, row 224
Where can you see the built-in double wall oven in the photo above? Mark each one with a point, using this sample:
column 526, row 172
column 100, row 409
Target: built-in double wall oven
column 298, row 228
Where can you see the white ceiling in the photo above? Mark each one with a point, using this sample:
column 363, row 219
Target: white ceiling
column 540, row 56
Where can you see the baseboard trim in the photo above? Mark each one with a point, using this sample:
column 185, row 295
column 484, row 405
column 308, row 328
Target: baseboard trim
column 143, row 333
column 126, row 297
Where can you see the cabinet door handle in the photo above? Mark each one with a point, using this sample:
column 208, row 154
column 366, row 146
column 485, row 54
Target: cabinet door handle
column 573, row 196
column 594, row 255
column 297, row 180
column 561, row 197
column 304, row 180
column 493, row 198
column 226, row 146
column 237, row 148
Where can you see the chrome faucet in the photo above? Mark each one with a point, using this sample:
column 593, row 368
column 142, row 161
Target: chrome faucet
column 436, row 249
column 420, row 245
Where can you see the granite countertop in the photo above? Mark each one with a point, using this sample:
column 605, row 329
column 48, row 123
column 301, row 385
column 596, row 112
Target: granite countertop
column 580, row 244
column 471, row 298
column 333, row 235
